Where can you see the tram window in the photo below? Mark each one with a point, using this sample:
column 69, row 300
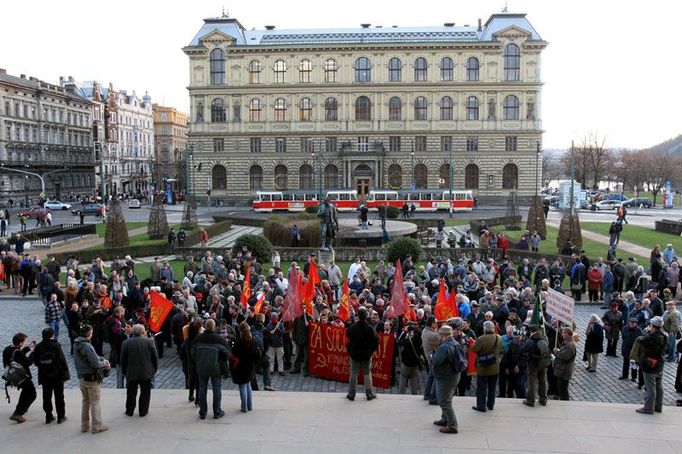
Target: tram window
column 459, row 196
column 353, row 196
column 277, row 197
column 426, row 196
column 391, row 196
column 264, row 197
column 299, row 196
column 343, row 196
column 469, row 196
column 380, row 197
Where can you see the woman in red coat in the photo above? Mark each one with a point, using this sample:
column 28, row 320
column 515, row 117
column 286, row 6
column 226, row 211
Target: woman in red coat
column 503, row 243
column 594, row 279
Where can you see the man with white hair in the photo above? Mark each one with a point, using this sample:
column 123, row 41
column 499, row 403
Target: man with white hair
column 446, row 371
column 139, row 363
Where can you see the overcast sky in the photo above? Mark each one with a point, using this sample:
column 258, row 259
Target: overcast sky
column 613, row 67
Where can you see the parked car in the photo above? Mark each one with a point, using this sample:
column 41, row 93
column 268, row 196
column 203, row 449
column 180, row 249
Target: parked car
column 134, row 203
column 608, row 204
column 617, row 197
column 636, row 202
column 57, row 205
column 34, row 212
column 89, row 209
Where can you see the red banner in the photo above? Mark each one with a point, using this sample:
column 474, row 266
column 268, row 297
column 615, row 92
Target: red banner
column 328, row 358
column 159, row 309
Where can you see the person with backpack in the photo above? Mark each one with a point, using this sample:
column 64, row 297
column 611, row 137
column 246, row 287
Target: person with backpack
column 16, row 359
column 262, row 342
column 210, row 351
column 564, row 360
column 448, row 362
column 53, row 371
column 488, row 349
column 537, row 347
column 89, row 367
column 651, row 360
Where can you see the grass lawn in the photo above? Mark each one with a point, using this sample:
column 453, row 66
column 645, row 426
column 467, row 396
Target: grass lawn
column 101, row 227
column 136, row 240
column 641, row 236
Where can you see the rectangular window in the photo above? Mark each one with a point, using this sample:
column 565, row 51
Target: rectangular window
column 472, row 143
column 420, row 144
column 363, row 143
column 330, row 143
column 218, row 145
column 255, row 144
column 307, row 145
column 510, row 143
column 446, row 143
column 280, row 145
column 394, row 143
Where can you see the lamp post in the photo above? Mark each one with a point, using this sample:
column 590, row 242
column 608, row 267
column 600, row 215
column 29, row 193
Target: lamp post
column 26, row 191
column 412, row 186
column 189, row 152
column 450, row 182
column 319, row 165
column 537, row 160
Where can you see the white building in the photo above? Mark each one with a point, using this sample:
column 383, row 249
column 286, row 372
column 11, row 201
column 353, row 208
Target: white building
column 136, row 142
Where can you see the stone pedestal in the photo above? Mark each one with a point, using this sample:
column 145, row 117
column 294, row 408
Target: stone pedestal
column 325, row 257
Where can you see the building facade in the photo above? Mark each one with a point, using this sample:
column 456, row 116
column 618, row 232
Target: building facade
column 45, row 129
column 363, row 108
column 170, row 139
column 135, row 143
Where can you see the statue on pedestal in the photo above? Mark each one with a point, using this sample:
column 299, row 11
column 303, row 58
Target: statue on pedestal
column 329, row 224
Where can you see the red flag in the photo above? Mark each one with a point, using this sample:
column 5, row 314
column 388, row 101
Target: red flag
column 159, row 309
column 471, row 358
column 442, row 310
column 259, row 302
column 398, row 295
column 310, row 287
column 452, row 304
column 292, row 300
column 246, row 288
column 344, row 304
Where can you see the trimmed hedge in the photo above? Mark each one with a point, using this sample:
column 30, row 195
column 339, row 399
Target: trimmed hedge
column 392, row 212
column 277, row 230
column 259, row 246
column 402, row 247
column 311, row 209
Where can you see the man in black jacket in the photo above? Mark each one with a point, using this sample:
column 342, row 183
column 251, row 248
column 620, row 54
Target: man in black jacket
column 139, row 363
column 52, row 373
column 362, row 343
column 22, row 355
column 209, row 351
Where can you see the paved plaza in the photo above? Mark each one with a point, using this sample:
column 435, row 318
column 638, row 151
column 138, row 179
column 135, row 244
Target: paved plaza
column 603, row 386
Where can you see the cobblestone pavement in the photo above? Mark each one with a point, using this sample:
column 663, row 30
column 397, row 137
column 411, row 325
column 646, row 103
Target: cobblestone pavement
column 603, row 386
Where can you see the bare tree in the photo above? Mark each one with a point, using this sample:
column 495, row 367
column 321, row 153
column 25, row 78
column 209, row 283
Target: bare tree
column 658, row 169
column 582, row 165
column 598, row 155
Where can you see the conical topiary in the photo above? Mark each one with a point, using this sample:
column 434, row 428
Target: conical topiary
column 189, row 216
column 569, row 229
column 536, row 217
column 116, row 232
column 157, row 227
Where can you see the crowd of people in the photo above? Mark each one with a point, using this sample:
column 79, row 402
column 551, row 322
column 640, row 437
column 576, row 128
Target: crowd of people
column 229, row 319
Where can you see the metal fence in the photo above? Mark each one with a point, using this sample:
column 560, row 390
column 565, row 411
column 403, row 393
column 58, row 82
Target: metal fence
column 45, row 236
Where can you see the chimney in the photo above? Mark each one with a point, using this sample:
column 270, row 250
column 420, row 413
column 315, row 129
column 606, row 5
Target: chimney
column 23, row 76
column 365, row 25
column 3, row 71
column 480, row 25
column 61, row 80
column 269, row 27
column 449, row 24
column 70, row 78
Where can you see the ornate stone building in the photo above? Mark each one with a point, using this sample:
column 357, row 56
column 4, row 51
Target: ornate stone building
column 135, row 142
column 45, row 129
column 170, row 139
column 369, row 107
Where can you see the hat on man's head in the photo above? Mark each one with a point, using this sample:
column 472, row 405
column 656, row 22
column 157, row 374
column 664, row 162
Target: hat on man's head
column 634, row 319
column 445, row 330
column 657, row 321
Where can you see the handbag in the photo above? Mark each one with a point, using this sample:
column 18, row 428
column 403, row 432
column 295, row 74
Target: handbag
column 577, row 286
column 489, row 358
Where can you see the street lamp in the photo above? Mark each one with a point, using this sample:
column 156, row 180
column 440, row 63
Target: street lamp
column 26, row 191
column 537, row 160
column 412, row 165
column 319, row 166
column 450, row 172
column 189, row 153
column 41, row 177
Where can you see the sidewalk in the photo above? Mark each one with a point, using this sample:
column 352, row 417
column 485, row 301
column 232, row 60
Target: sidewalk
column 75, row 247
column 314, row 422
column 623, row 246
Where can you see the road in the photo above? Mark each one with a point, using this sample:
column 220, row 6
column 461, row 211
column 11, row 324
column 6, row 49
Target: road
column 26, row 315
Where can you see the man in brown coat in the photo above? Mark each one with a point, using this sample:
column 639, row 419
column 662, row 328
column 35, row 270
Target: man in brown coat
column 564, row 359
column 488, row 348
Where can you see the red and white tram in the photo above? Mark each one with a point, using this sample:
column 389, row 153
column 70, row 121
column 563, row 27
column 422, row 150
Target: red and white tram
column 423, row 199
column 295, row 201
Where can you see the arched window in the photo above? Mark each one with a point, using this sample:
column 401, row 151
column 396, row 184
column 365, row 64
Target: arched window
column 218, row 114
column 280, row 71
column 305, row 68
column 280, row 177
column 363, row 70
column 305, row 109
column 444, row 176
column 471, row 177
column 395, row 109
column 446, row 106
column 420, row 70
column 255, row 109
column 330, row 71
column 363, row 109
column 217, row 67
column 510, row 176
column 280, row 109
column 219, row 178
column 395, row 70
column 472, row 108
column 256, row 178
column 331, row 109
column 254, row 72
column 420, row 176
column 446, row 69
column 395, row 176
column 512, row 62
column 420, row 112
column 305, row 177
column 472, row 69
column 331, row 177
column 511, row 108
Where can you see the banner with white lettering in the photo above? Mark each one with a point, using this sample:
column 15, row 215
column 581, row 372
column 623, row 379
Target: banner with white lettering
column 560, row 306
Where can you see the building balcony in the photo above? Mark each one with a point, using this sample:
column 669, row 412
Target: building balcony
column 376, row 148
